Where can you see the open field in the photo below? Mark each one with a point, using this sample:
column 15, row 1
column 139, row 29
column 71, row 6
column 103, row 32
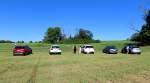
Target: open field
column 41, row 67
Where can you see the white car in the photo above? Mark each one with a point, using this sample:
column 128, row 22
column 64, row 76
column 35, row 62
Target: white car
column 88, row 49
column 55, row 49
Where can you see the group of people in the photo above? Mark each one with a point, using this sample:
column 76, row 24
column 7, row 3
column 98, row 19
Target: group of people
column 75, row 49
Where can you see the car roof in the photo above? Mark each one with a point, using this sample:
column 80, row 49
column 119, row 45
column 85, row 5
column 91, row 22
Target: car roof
column 87, row 45
column 54, row 45
column 22, row 46
column 132, row 45
column 110, row 46
column 25, row 46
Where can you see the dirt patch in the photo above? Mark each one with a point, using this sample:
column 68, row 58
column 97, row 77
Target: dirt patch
column 33, row 75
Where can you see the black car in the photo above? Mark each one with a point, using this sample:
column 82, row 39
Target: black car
column 22, row 50
column 110, row 50
column 131, row 49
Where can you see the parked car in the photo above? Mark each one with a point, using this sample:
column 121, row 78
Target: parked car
column 87, row 49
column 110, row 50
column 54, row 49
column 131, row 49
column 22, row 50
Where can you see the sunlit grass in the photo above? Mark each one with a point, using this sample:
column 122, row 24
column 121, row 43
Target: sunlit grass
column 41, row 67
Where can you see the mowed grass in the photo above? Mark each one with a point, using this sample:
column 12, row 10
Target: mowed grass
column 40, row 67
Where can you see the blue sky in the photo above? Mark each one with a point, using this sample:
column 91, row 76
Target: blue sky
column 107, row 19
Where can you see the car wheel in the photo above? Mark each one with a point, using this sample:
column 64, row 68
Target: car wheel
column 103, row 51
column 124, row 51
column 28, row 53
column 85, row 52
column 24, row 54
column 108, row 52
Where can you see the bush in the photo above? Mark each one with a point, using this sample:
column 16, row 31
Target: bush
column 78, row 41
column 6, row 41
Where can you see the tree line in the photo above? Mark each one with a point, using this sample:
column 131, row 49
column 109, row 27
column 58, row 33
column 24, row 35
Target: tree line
column 143, row 36
column 20, row 41
column 6, row 41
column 55, row 35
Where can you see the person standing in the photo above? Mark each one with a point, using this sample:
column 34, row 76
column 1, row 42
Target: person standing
column 127, row 49
column 74, row 49
column 80, row 48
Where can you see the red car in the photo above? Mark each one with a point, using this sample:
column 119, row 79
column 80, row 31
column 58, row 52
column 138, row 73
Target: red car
column 22, row 50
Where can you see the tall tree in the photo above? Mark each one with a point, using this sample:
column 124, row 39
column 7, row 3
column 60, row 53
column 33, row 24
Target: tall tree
column 6, row 41
column 53, row 35
column 84, row 34
column 144, row 35
column 145, row 31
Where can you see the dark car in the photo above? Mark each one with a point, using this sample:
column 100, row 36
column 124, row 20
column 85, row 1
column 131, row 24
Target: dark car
column 131, row 49
column 110, row 50
column 22, row 50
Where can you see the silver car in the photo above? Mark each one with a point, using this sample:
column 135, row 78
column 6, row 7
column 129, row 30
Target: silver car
column 131, row 49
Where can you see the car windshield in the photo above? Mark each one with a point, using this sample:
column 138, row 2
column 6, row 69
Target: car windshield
column 134, row 46
column 89, row 46
column 55, row 47
column 112, row 47
column 19, row 47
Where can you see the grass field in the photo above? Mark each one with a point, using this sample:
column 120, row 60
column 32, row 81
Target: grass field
column 41, row 67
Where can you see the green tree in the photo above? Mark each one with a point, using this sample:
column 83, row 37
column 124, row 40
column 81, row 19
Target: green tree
column 6, row 41
column 145, row 31
column 30, row 41
column 53, row 35
column 84, row 34
column 135, row 37
column 144, row 35
column 20, row 41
